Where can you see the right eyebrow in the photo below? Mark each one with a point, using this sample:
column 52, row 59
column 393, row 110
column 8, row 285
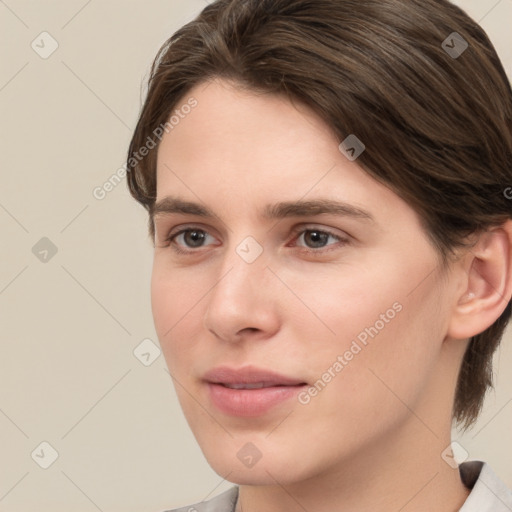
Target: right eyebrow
column 169, row 205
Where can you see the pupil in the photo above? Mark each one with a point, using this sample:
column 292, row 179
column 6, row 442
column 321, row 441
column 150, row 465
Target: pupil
column 318, row 239
column 194, row 238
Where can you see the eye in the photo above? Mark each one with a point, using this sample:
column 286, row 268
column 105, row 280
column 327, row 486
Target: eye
column 189, row 238
column 314, row 238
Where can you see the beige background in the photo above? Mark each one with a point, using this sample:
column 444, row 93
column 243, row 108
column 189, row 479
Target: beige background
column 69, row 325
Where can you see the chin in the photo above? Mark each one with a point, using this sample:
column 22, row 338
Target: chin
column 260, row 475
column 247, row 477
column 268, row 470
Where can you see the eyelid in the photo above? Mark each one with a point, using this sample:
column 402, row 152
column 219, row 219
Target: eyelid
column 177, row 229
column 315, row 227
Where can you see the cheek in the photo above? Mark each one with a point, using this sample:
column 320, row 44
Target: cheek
column 349, row 302
column 174, row 301
column 163, row 302
column 376, row 343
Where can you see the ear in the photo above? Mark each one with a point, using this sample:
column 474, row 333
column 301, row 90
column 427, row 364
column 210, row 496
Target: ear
column 486, row 287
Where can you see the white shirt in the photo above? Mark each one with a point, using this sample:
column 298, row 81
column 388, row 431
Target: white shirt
column 488, row 493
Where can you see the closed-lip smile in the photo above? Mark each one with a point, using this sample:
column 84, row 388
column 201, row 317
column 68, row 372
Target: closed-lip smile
column 249, row 375
column 249, row 391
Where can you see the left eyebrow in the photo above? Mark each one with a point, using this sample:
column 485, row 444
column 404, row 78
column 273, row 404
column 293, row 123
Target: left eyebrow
column 169, row 205
column 316, row 207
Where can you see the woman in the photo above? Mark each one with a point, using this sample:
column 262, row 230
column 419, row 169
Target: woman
column 330, row 206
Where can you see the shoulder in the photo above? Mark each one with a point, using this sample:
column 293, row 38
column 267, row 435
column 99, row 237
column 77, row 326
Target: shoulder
column 225, row 502
column 488, row 492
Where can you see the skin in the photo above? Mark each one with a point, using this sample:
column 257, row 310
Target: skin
column 372, row 438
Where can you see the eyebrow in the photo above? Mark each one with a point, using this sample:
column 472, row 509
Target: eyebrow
column 169, row 205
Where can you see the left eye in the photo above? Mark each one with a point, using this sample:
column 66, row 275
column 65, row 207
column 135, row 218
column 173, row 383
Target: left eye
column 316, row 238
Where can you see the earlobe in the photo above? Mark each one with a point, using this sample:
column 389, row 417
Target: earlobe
column 487, row 284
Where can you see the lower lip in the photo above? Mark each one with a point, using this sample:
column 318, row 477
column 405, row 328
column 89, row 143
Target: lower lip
column 250, row 402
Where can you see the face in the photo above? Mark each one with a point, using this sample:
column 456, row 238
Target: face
column 295, row 273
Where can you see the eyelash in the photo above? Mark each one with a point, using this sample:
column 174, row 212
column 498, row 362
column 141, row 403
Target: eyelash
column 169, row 241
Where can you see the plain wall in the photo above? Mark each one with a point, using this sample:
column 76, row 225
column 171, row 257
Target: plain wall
column 70, row 321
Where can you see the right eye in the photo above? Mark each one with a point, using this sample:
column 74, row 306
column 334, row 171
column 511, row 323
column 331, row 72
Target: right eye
column 189, row 238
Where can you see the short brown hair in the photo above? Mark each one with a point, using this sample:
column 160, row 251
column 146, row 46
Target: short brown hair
column 437, row 126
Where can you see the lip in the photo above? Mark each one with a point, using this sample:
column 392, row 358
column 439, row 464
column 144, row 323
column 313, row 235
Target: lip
column 248, row 375
column 276, row 389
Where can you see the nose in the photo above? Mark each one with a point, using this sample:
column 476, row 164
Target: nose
column 243, row 303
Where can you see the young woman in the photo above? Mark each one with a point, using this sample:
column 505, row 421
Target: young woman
column 329, row 199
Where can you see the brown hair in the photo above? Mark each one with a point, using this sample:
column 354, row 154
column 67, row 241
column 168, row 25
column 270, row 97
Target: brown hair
column 437, row 126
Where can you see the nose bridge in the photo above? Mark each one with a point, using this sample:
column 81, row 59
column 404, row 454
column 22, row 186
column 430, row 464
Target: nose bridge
column 243, row 270
column 240, row 298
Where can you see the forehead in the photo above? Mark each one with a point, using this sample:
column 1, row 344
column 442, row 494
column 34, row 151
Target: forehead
column 233, row 133
column 239, row 151
column 226, row 117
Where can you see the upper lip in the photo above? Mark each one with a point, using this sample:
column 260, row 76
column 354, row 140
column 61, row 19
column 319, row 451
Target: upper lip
column 249, row 375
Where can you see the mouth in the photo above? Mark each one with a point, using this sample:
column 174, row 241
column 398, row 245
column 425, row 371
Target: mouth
column 249, row 391
column 249, row 376
column 256, row 385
